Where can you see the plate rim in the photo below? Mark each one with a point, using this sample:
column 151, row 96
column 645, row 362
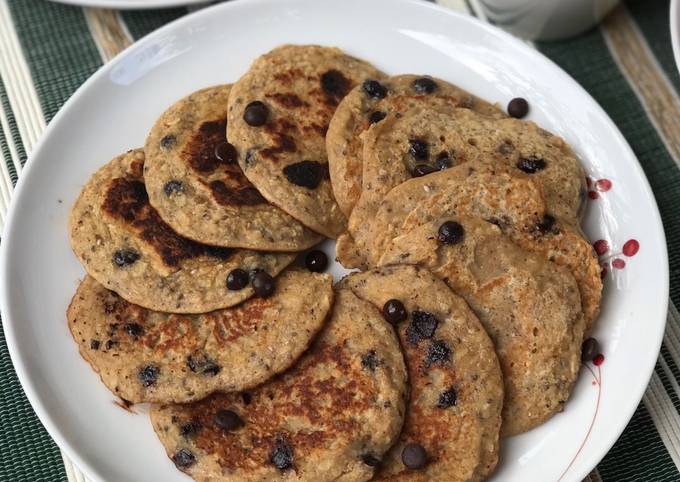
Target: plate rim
column 141, row 5
column 675, row 31
column 28, row 385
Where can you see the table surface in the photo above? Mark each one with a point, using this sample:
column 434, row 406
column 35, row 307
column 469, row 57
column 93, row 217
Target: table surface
column 48, row 50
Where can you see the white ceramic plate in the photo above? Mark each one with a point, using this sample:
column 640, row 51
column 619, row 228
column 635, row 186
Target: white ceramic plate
column 113, row 110
column 131, row 4
column 675, row 30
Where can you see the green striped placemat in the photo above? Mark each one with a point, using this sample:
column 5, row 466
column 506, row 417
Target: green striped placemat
column 48, row 50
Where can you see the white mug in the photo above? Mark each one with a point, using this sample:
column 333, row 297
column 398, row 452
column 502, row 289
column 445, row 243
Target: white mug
column 546, row 19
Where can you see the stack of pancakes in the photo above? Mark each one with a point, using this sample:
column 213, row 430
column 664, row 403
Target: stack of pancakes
column 465, row 324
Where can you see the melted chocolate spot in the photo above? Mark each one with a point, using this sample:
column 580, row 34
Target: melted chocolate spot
column 168, row 141
column 201, row 150
column 422, row 326
column 201, row 363
column 94, row 344
column 190, row 428
column 447, row 398
column 281, row 455
column 148, row 375
column 335, row 84
column 438, row 352
column 183, row 459
column 125, row 257
column 369, row 360
column 306, row 173
column 173, row 187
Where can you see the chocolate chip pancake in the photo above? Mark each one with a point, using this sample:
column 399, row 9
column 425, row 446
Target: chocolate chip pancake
column 148, row 356
column 510, row 199
column 368, row 104
column 198, row 188
column 123, row 243
column 529, row 306
column 454, row 411
column 409, row 145
column 331, row 417
column 279, row 113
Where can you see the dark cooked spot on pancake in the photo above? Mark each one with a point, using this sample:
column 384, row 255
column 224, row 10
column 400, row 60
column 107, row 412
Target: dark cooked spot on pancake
column 225, row 152
column 137, row 168
column 94, row 344
column 306, row 173
column 218, row 252
column 126, row 200
column 190, row 429
column 148, row 375
column 200, row 150
column 281, row 455
column 438, row 352
column 125, row 257
column 281, row 143
column 369, row 360
column 335, row 84
column 173, row 187
column 422, row 326
column 370, row 460
column 183, row 458
column 246, row 397
column 168, row 141
column 447, row 398
column 288, row 100
column 133, row 329
column 203, row 364
column 242, row 196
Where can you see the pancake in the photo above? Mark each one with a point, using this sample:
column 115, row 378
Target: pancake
column 529, row 306
column 198, row 188
column 400, row 146
column 124, row 244
column 289, row 96
column 514, row 201
column 358, row 110
column 329, row 418
column 148, row 356
column 454, row 411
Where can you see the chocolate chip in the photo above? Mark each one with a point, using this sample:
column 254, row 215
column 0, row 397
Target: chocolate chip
column 133, row 329
column 225, row 152
column 334, row 83
column 589, row 350
column 376, row 116
column 281, row 455
column 190, row 428
column 370, row 460
column 316, row 261
column 306, row 174
column 414, row 456
column 183, row 459
column 369, row 360
column 110, row 344
column 448, row 398
column 546, row 225
column 125, row 257
column 263, row 284
column 518, row 107
column 438, row 352
column 237, row 279
column 424, row 85
column 450, row 232
column 423, row 170
column 173, row 187
column 148, row 375
column 246, row 397
column 168, row 141
column 228, row 420
column 419, row 149
column 422, row 326
column 394, row 311
column 443, row 161
column 531, row 164
column 256, row 114
column 203, row 364
column 374, row 89
column 94, row 344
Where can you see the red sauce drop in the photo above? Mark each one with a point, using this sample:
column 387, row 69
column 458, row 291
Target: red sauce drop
column 598, row 360
column 631, row 247
column 618, row 263
column 601, row 246
column 603, row 185
column 593, row 194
